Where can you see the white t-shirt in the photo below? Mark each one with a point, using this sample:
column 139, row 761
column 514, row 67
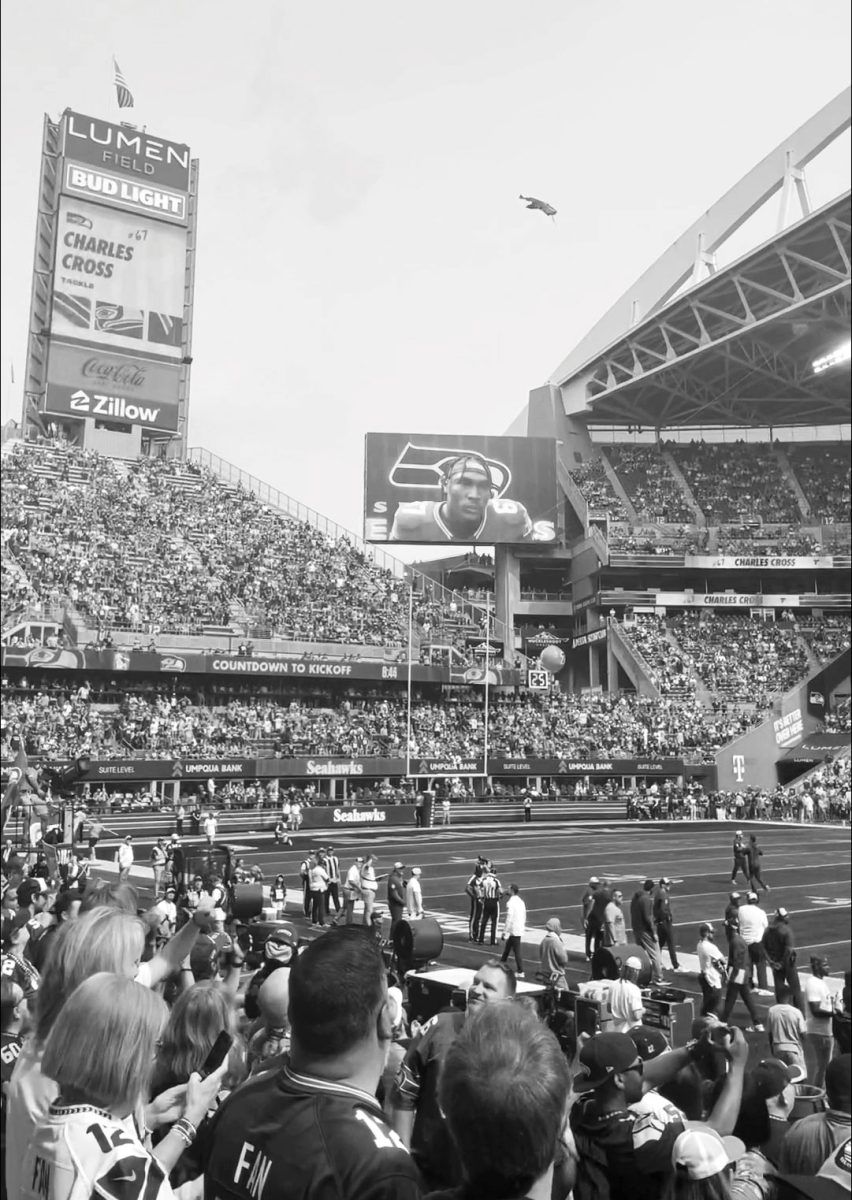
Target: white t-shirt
column 625, row 1004
column 816, row 992
column 711, row 962
column 786, row 1026
column 753, row 922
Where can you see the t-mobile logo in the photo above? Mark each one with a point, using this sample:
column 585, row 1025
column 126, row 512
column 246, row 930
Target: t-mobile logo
column 738, row 761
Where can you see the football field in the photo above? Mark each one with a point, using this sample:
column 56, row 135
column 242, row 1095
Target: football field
column 806, row 867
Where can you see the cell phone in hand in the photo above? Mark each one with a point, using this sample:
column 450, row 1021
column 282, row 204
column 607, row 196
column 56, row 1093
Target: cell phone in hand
column 217, row 1055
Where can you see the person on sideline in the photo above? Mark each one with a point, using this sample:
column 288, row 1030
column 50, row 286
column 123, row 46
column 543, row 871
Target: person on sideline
column 514, row 928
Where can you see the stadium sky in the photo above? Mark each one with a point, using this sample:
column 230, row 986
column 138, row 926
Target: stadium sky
column 364, row 261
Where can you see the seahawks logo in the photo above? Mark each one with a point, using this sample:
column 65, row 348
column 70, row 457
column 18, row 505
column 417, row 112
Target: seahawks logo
column 423, row 467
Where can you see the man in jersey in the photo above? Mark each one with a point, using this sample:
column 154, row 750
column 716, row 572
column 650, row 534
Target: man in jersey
column 417, row 1116
column 314, row 1127
column 466, row 514
column 626, row 1154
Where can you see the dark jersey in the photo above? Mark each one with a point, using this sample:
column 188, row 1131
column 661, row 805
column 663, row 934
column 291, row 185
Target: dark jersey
column 421, row 521
column 285, row 1136
column 417, row 1090
column 623, row 1156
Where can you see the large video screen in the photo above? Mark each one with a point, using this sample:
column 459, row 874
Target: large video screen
column 427, row 487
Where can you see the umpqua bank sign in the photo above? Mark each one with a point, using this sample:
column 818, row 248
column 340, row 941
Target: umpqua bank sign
column 126, row 151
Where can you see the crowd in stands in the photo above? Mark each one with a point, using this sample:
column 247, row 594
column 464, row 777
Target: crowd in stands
column 748, row 503
column 653, row 490
column 156, row 546
column 592, row 480
column 331, row 1081
column 825, row 476
column 157, row 725
column 737, row 482
column 737, row 657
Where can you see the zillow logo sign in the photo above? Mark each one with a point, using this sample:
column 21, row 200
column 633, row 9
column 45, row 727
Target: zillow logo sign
column 117, row 407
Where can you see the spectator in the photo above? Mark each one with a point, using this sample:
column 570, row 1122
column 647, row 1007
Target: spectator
column 12, row 1014
column 768, row 1098
column 702, row 1162
column 615, row 930
column 417, row 1116
column 14, row 964
column 553, row 955
column 820, row 1008
column 505, row 1072
column 272, row 1040
column 314, row 1125
column 124, row 858
column 514, row 928
column 711, row 970
column 279, row 950
column 197, row 1018
column 739, row 984
column 99, row 1055
column 622, row 1153
column 625, row 998
column 753, row 925
column 414, row 895
column 787, row 1030
column 780, row 951
column 644, row 929
column 812, row 1139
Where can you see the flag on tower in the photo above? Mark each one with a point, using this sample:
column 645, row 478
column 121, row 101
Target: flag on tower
column 125, row 96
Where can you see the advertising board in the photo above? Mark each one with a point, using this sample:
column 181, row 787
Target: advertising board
column 760, row 562
column 119, row 280
column 427, row 488
column 110, row 189
column 131, row 153
column 89, row 381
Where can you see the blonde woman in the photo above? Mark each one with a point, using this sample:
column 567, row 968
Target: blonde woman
column 100, row 1055
column 106, row 939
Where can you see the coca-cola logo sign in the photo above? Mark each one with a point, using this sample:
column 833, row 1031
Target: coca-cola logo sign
column 109, row 370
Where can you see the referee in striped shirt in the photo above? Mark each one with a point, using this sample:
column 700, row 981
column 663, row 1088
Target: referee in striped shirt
column 491, row 893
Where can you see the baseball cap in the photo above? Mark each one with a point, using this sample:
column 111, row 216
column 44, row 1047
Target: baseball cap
column 600, row 1056
column 593, row 879
column 650, row 1043
column 281, row 943
column 771, row 1076
column 634, row 964
column 665, row 881
column 12, row 924
column 701, row 1152
column 781, row 914
column 398, row 866
column 415, row 871
column 752, row 896
column 832, row 1180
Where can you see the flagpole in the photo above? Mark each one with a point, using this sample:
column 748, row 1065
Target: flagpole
column 487, row 673
column 410, row 654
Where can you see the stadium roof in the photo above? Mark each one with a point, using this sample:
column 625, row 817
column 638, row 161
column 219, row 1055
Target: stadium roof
column 736, row 348
column 740, row 347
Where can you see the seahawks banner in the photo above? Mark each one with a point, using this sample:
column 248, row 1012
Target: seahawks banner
column 140, row 770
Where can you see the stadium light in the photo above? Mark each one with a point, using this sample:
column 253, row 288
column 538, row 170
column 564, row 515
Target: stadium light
column 841, row 355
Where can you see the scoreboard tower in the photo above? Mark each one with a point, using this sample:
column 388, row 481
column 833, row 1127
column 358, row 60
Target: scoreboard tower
column 110, row 330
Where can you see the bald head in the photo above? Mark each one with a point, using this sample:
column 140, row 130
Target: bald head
column 274, row 997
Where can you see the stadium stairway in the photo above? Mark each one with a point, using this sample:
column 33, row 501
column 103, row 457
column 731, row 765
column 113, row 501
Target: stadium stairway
column 790, row 475
column 686, row 490
column 617, row 486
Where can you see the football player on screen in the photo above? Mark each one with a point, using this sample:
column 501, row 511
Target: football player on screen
column 468, row 512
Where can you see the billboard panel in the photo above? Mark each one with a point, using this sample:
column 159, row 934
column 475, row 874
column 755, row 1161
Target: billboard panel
column 423, row 488
column 89, row 381
column 118, row 279
column 129, row 152
column 108, row 188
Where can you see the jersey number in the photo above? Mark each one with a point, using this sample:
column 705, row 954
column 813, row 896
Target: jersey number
column 384, row 1139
